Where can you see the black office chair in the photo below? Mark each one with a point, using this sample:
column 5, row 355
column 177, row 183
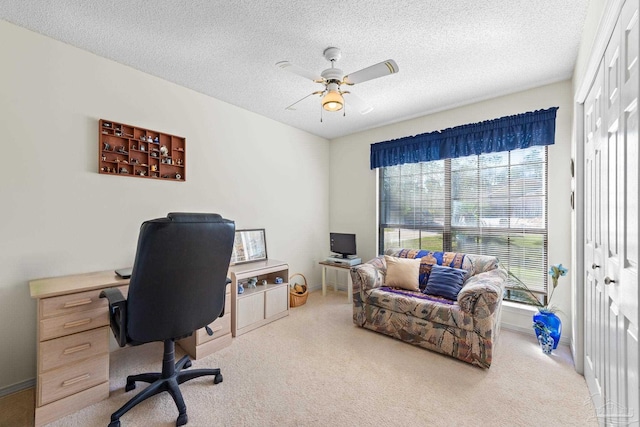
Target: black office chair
column 177, row 286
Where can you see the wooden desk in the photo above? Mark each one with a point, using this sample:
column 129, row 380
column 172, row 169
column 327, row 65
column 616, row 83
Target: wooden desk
column 337, row 267
column 73, row 341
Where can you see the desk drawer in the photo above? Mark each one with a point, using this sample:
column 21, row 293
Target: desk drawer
column 66, row 304
column 60, row 326
column 220, row 327
column 73, row 303
column 72, row 348
column 71, row 379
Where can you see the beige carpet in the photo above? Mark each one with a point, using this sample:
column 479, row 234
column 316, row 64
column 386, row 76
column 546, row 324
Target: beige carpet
column 316, row 368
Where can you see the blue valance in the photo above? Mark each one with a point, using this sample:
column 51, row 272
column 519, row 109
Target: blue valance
column 503, row 134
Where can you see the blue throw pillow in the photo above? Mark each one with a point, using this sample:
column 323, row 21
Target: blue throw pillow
column 445, row 282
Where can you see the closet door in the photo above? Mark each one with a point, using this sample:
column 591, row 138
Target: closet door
column 594, row 292
column 623, row 288
column 611, row 228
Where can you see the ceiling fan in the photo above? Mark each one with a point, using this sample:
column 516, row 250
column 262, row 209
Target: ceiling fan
column 333, row 79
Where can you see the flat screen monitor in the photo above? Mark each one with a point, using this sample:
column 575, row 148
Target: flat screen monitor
column 343, row 244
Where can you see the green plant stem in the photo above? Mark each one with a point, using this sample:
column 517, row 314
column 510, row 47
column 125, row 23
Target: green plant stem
column 555, row 284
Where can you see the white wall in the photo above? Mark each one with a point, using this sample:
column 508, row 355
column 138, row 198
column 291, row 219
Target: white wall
column 353, row 195
column 59, row 216
column 595, row 12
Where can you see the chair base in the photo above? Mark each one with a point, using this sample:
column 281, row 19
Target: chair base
column 168, row 380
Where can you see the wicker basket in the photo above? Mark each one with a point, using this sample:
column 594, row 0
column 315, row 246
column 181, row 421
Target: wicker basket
column 296, row 299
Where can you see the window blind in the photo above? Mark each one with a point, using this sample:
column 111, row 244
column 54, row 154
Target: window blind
column 489, row 204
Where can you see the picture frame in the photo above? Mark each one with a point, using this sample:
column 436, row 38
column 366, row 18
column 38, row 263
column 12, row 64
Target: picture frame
column 249, row 245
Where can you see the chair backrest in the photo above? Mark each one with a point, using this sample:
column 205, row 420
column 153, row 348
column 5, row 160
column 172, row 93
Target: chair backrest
column 179, row 276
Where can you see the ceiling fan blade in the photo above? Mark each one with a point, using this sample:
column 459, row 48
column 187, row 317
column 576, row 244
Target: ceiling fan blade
column 357, row 103
column 290, row 107
column 288, row 66
column 373, row 72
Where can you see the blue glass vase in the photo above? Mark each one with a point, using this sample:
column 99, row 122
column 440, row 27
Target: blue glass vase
column 547, row 325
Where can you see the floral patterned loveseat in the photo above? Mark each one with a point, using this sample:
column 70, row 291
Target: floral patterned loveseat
column 466, row 329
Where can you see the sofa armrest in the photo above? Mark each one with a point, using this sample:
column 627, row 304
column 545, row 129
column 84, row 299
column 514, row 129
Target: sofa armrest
column 366, row 276
column 369, row 275
column 482, row 293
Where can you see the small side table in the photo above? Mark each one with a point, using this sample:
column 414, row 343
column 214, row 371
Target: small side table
column 337, row 267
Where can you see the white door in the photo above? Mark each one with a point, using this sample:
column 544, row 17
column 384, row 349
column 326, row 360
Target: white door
column 594, row 288
column 611, row 227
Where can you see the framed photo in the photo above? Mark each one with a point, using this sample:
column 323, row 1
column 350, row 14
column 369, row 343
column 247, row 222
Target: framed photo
column 249, row 246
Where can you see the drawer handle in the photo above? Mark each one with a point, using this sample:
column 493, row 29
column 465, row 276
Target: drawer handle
column 77, row 303
column 76, row 349
column 77, row 323
column 75, row 380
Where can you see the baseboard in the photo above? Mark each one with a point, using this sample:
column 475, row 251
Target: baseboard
column 14, row 388
column 341, row 288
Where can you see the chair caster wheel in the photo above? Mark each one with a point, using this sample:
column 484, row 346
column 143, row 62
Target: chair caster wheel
column 182, row 419
column 217, row 379
column 130, row 386
column 187, row 365
column 115, row 423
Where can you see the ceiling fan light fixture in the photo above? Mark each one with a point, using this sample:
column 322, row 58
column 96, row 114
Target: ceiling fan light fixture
column 331, row 96
column 332, row 101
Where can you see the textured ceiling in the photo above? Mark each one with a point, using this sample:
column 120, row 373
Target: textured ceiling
column 449, row 53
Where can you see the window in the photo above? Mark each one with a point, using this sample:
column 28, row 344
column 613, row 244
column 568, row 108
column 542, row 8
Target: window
column 491, row 204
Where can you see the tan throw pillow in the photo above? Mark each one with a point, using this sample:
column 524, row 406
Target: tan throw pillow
column 402, row 272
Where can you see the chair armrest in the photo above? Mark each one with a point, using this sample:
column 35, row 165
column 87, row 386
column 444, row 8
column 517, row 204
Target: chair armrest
column 224, row 298
column 117, row 314
column 482, row 293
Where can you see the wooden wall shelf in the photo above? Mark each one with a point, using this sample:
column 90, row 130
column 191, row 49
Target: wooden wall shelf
column 127, row 150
